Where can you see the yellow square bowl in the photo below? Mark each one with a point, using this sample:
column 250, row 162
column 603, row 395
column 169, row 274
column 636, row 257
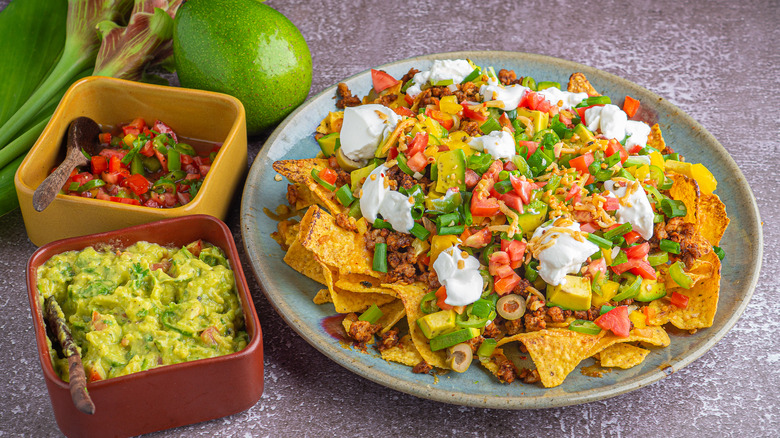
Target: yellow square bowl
column 194, row 114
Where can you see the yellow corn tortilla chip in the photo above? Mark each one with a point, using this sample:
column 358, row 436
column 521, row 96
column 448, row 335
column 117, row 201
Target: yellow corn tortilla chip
column 622, row 356
column 345, row 301
column 712, row 218
column 363, row 283
column 305, row 197
column 491, row 363
column 288, row 230
column 404, row 353
column 578, row 83
column 702, row 299
column 299, row 171
column 333, row 245
column 322, row 297
column 686, row 190
column 392, row 312
column 655, row 139
column 555, row 352
column 303, row 261
column 412, row 295
column 650, row 335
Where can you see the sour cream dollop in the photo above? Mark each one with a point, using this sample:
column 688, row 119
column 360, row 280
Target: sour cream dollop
column 363, row 129
column 499, row 144
column 568, row 99
column 565, row 256
column 376, row 197
column 459, row 275
column 636, row 211
column 611, row 121
column 441, row 70
column 510, row 96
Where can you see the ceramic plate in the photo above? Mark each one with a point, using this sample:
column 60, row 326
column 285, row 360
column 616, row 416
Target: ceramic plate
column 291, row 293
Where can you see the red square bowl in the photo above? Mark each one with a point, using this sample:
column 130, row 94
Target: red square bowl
column 168, row 396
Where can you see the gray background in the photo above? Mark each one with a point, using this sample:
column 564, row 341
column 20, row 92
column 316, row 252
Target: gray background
column 718, row 61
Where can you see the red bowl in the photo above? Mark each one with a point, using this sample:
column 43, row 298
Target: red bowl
column 168, row 396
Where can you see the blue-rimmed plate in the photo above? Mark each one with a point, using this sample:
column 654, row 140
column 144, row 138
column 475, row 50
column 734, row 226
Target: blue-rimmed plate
column 291, row 293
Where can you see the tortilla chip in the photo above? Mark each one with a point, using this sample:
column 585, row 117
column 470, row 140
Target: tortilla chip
column 404, row 352
column 493, row 363
column 686, row 190
column 333, row 245
column 305, row 197
column 622, row 356
column 555, row 352
column 655, row 139
column 322, row 297
column 578, row 83
column 345, row 301
column 299, row 171
column 702, row 299
column 392, row 312
column 363, row 283
column 712, row 218
column 303, row 261
column 331, row 123
column 412, row 295
column 650, row 335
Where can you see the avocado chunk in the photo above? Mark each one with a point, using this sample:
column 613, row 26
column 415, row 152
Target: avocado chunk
column 539, row 119
column 434, row 324
column 608, row 290
column 584, row 133
column 572, row 294
column 453, row 338
column 357, row 175
column 535, row 215
column 329, row 143
column 451, row 167
column 651, row 290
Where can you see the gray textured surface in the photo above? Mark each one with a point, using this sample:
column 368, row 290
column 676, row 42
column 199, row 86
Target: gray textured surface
column 718, row 61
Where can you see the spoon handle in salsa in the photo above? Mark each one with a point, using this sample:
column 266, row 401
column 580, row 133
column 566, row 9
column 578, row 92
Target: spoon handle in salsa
column 78, row 381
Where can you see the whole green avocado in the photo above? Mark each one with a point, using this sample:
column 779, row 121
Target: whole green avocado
column 246, row 49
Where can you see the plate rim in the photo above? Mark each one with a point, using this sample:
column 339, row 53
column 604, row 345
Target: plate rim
column 353, row 361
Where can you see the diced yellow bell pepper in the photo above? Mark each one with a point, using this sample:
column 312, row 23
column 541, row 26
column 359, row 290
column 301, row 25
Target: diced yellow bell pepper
column 638, row 318
column 129, row 139
column 657, row 159
column 702, row 175
column 450, row 105
column 642, row 172
column 440, row 243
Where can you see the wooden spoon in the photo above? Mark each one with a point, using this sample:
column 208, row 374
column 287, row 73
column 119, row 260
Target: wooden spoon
column 77, row 379
column 82, row 133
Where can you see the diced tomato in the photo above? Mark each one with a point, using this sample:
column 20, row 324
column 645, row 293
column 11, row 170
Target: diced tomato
column 472, row 178
column 418, row 162
column 108, row 153
column 137, row 183
column 204, row 169
column 93, row 375
column 630, row 106
column 504, row 121
column 147, row 149
column 183, row 197
column 623, row 267
column 631, row 237
column 614, row 146
column 162, row 128
column 504, row 285
column 598, row 265
column 98, row 164
column 565, row 119
column 424, row 259
column 582, row 162
column 644, row 270
column 162, row 158
column 104, row 137
column 409, row 99
column 479, row 239
column 531, row 100
column 574, row 190
column 131, row 130
column 635, row 149
column 611, row 204
column 166, row 199
column 649, row 314
column 328, row 175
column 638, row 251
column 138, row 123
column 616, row 320
column 404, row 111
column 679, row 300
column 129, row 201
column 484, row 207
column 509, row 166
column 512, row 200
column 444, row 119
column 522, row 187
column 544, row 106
column 588, row 227
column 516, row 251
column 187, row 159
column 382, row 80
column 441, row 295
column 472, row 114
column 392, row 153
column 418, row 144
column 531, row 145
column 503, row 271
column 497, row 259
column 114, row 164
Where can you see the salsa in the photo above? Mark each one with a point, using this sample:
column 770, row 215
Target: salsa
column 145, row 306
column 142, row 164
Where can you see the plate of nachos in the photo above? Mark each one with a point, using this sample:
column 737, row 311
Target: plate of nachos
column 501, row 230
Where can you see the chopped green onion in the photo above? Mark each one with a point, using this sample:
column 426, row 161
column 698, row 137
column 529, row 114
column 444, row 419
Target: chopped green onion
column 448, row 219
column 629, row 290
column 673, row 208
column 618, row 231
column 658, row 258
column 344, row 195
column 419, row 232
column 503, row 187
column 456, row 229
column 489, row 126
column 605, row 308
column 600, row 241
column 503, row 175
column 355, row 211
column 382, row 224
column 666, row 184
column 584, row 326
column 371, row 315
column 594, row 100
column 719, row 252
column 487, row 347
column 315, row 175
column 658, row 218
column 678, row 274
column 669, row 246
column 471, row 76
column 380, row 257
column 531, row 274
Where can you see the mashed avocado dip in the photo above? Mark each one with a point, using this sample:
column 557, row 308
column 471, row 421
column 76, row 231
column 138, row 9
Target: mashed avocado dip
column 144, row 306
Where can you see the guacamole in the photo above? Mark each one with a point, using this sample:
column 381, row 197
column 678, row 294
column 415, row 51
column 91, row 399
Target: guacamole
column 145, row 306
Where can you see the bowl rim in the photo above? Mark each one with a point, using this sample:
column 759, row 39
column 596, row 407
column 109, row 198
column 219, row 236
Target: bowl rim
column 45, row 252
column 79, row 85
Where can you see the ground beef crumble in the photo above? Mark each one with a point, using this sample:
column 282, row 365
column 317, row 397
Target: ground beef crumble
column 345, row 97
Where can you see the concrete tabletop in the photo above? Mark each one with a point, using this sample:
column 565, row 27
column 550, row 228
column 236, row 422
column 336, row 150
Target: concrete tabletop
column 716, row 60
